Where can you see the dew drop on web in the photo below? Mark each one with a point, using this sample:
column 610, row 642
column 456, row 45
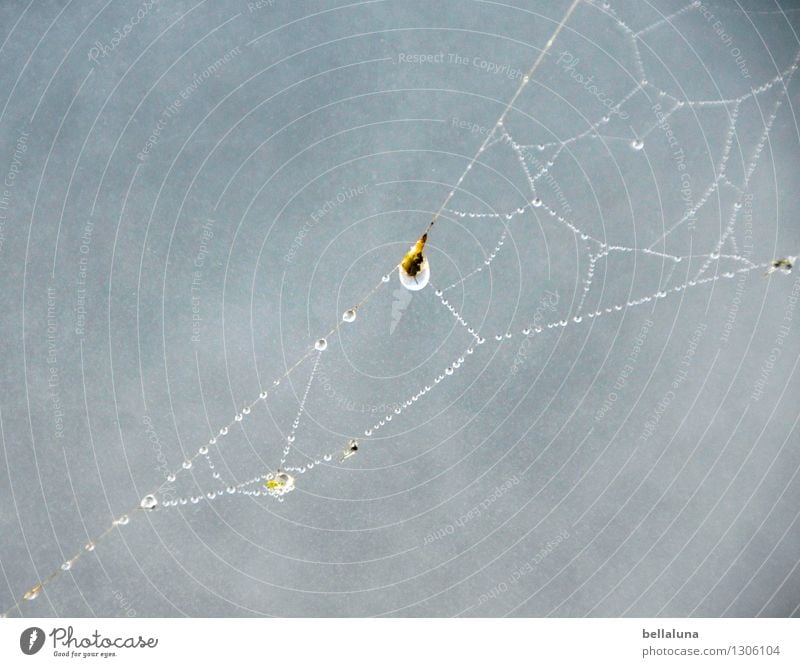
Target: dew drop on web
column 149, row 502
column 419, row 281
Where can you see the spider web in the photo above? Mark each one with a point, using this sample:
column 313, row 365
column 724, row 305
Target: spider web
column 557, row 249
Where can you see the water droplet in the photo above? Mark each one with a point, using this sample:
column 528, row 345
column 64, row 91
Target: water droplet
column 637, row 144
column 203, row 451
column 321, row 345
column 186, row 465
column 231, row 489
column 418, row 281
column 262, row 395
column 212, row 441
column 349, row 315
column 66, row 565
column 537, row 202
column 122, row 521
column 448, row 370
column 238, row 417
column 386, row 278
column 33, row 593
column 149, row 502
column 171, row 477
column 246, row 410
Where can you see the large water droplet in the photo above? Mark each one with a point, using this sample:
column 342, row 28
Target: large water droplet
column 417, row 282
column 149, row 502
column 321, row 345
column 349, row 315
column 637, row 144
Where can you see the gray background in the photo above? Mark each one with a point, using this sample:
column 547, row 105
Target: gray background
column 519, row 485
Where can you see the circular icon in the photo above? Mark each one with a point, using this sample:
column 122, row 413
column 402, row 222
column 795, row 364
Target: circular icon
column 31, row 640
